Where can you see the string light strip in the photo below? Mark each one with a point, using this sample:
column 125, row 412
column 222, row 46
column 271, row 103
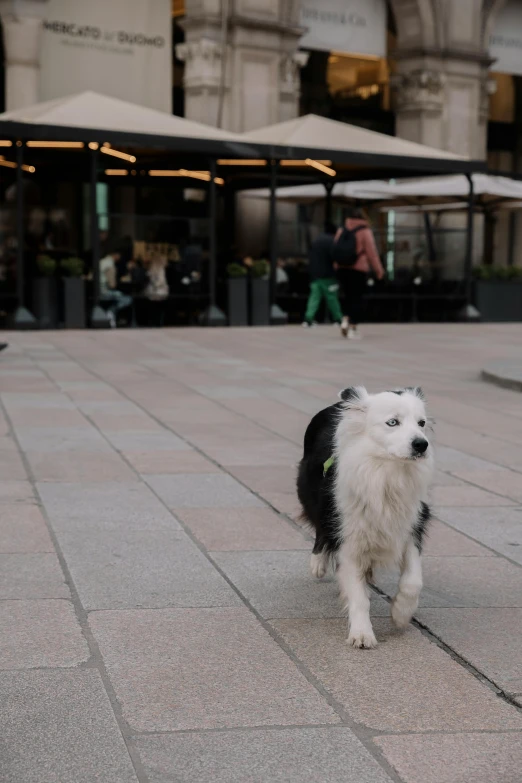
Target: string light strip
column 66, row 145
column 107, row 150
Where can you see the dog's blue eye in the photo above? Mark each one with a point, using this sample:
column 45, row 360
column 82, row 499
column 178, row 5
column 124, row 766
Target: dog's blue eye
column 393, row 423
column 422, row 423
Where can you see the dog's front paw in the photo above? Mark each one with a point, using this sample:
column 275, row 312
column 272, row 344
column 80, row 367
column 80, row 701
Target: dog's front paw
column 403, row 607
column 318, row 565
column 364, row 640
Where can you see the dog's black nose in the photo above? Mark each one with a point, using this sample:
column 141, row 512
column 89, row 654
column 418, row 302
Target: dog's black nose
column 419, row 445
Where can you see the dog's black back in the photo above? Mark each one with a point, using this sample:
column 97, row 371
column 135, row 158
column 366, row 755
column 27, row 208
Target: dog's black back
column 314, row 489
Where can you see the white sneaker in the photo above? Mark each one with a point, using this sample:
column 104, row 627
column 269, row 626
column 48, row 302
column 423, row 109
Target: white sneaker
column 353, row 334
column 345, row 327
column 308, row 325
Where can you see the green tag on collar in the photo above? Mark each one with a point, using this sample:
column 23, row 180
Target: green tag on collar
column 327, row 465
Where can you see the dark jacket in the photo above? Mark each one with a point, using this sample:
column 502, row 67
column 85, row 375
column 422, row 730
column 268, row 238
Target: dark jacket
column 320, row 263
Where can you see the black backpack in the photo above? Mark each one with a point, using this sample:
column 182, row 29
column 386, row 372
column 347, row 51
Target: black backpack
column 344, row 251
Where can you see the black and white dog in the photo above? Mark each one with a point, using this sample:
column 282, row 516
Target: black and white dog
column 363, row 484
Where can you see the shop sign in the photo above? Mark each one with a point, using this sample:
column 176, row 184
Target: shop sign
column 346, row 26
column 505, row 44
column 121, row 48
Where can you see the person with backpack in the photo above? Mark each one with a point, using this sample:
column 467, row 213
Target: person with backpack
column 323, row 284
column 354, row 257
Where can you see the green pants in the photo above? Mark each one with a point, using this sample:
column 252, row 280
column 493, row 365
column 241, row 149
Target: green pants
column 327, row 288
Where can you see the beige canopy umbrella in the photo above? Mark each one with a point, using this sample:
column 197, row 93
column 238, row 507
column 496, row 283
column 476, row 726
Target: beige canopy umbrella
column 319, row 137
column 102, row 118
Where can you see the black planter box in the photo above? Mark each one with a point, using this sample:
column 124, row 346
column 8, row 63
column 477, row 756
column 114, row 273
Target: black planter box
column 259, row 302
column 499, row 300
column 74, row 303
column 45, row 302
column 237, row 301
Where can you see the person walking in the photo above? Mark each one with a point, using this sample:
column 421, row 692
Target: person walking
column 354, row 257
column 323, row 284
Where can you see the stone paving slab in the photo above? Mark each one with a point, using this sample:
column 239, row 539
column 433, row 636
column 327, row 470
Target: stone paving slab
column 468, row 496
column 498, row 528
column 166, row 462
column 202, row 669
column 465, row 582
column 444, row 541
column 23, row 529
column 125, row 550
column 79, row 466
column 487, row 638
column 279, row 584
column 234, row 529
column 455, row 758
column 59, row 726
column 31, row 575
column 15, row 491
column 202, row 491
column 505, row 482
column 297, row 755
column 406, row 684
column 37, row 634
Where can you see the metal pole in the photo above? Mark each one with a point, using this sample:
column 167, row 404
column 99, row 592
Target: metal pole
column 99, row 317
column 212, row 316
column 23, row 319
column 20, row 234
column 469, row 312
column 95, row 234
column 277, row 316
column 469, row 243
column 212, row 234
column 273, row 229
column 328, row 203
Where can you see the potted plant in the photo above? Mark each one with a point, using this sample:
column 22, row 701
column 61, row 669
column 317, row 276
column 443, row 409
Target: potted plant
column 498, row 292
column 45, row 293
column 260, row 293
column 73, row 293
column 237, row 295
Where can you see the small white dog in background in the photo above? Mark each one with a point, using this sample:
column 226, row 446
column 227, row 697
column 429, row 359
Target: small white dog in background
column 363, row 484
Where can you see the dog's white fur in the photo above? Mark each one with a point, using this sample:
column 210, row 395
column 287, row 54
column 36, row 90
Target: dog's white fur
column 379, row 488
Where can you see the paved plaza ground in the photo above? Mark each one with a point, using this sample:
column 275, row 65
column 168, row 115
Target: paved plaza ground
column 157, row 618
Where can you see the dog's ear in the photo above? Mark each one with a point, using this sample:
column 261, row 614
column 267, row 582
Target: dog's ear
column 355, row 398
column 417, row 392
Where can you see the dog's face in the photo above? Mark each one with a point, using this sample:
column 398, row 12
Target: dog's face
column 394, row 422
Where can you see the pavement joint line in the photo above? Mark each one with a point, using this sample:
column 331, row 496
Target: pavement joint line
column 359, row 730
column 81, row 614
column 457, row 657
column 374, row 733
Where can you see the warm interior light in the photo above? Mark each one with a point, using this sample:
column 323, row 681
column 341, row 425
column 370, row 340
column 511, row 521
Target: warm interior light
column 239, row 162
column 202, row 175
column 219, row 180
column 321, row 167
column 93, row 145
column 8, row 164
column 304, row 162
column 5, row 143
column 73, row 145
column 116, row 172
column 117, row 154
column 30, row 169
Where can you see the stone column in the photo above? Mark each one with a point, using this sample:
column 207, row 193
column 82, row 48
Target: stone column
column 261, row 84
column 442, row 85
column 22, row 29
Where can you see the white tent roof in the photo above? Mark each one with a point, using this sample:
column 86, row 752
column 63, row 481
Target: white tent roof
column 98, row 112
column 486, row 187
column 314, row 132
